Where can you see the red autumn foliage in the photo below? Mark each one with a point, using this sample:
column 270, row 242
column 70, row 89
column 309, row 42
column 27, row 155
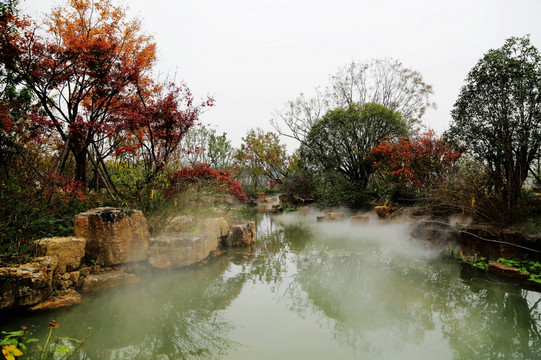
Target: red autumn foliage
column 63, row 187
column 89, row 57
column 203, row 175
column 421, row 161
column 153, row 122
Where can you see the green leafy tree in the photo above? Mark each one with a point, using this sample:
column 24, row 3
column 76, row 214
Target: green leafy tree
column 203, row 145
column 338, row 145
column 498, row 116
column 262, row 154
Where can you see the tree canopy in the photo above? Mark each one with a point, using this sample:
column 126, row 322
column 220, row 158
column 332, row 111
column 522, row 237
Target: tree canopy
column 341, row 141
column 498, row 115
column 90, row 69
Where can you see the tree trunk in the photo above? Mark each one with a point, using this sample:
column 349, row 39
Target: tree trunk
column 80, row 167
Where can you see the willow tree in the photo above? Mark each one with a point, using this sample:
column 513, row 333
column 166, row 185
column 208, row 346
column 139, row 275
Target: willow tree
column 498, row 115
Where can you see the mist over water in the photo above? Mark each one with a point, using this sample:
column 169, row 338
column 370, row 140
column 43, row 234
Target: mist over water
column 309, row 290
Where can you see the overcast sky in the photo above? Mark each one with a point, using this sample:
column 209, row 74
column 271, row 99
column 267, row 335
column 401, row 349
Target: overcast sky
column 253, row 56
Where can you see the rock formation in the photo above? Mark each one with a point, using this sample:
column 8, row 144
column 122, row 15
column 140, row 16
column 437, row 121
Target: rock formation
column 113, row 236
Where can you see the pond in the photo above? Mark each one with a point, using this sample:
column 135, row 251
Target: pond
column 308, row 290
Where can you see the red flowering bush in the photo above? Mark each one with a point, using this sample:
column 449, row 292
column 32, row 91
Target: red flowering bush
column 202, row 176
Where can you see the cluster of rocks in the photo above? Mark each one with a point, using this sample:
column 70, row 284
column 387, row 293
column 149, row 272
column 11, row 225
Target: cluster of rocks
column 112, row 242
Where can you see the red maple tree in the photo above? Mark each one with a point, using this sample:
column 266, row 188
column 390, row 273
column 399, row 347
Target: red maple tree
column 421, row 161
column 82, row 67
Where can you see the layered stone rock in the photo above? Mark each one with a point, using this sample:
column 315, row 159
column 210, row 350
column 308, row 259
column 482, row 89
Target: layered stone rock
column 506, row 271
column 113, row 236
column 24, row 285
column 108, row 279
column 241, row 234
column 68, row 298
column 179, row 250
column 68, row 250
column 494, row 243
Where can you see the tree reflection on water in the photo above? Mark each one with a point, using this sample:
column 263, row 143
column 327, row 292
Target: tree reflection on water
column 372, row 296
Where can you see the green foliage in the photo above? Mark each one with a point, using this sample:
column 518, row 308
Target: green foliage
column 341, row 141
column 15, row 345
column 530, row 267
column 497, row 116
column 30, row 210
column 337, row 147
column 202, row 145
column 526, row 266
column 334, row 190
column 285, row 208
column 262, row 154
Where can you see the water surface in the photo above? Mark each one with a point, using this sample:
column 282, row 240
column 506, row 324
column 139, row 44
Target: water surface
column 308, row 290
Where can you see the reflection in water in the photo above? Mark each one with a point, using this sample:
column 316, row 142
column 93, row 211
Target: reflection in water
column 168, row 315
column 356, row 292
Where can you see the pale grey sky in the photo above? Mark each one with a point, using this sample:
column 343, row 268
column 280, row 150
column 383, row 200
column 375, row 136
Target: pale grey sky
column 255, row 55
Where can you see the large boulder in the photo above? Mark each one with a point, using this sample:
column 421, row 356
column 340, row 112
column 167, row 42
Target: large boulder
column 179, row 250
column 241, row 234
column 24, row 285
column 113, row 236
column 108, row 279
column 68, row 250
column 217, row 226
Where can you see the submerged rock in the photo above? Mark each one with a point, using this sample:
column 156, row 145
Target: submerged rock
column 108, row 279
column 113, row 236
column 334, row 216
column 359, row 219
column 179, row 250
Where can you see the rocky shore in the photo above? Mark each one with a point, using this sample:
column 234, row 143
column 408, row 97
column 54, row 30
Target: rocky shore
column 108, row 248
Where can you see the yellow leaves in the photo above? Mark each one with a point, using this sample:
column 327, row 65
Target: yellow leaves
column 10, row 351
